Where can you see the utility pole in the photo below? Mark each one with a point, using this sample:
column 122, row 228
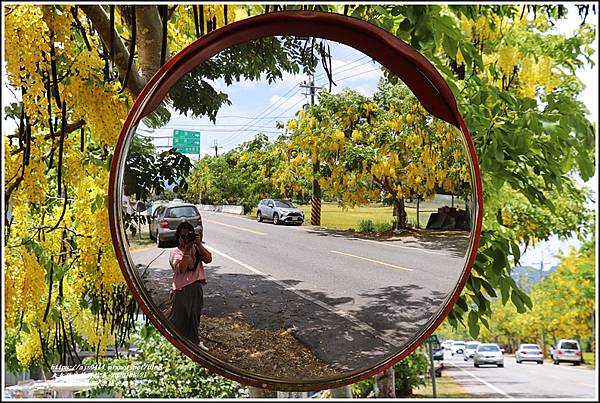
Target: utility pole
column 315, row 209
column 542, row 266
column 216, row 147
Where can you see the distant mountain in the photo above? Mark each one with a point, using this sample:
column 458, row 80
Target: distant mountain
column 527, row 276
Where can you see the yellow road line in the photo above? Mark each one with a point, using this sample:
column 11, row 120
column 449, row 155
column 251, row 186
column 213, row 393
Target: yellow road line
column 371, row 260
column 235, row 226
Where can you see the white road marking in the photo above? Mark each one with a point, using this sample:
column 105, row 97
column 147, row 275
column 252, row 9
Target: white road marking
column 236, row 227
column 489, row 385
column 315, row 301
column 372, row 260
column 389, row 243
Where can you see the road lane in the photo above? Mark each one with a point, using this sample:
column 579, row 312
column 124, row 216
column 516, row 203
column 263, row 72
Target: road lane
column 523, row 381
column 338, row 304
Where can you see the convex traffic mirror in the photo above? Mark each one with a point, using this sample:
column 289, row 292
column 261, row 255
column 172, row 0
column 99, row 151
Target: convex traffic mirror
column 333, row 189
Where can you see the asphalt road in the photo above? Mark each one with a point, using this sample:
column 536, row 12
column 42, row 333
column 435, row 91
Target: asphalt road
column 351, row 300
column 527, row 380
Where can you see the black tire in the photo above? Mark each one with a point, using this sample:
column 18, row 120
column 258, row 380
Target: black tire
column 518, row 362
column 540, row 362
column 556, row 362
column 500, row 365
column 259, row 216
column 159, row 243
column 152, row 237
column 276, row 219
column 576, row 363
column 476, row 365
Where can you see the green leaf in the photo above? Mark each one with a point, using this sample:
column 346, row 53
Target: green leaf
column 462, row 304
column 517, row 301
column 473, row 324
column 516, row 251
column 488, row 288
column 450, row 46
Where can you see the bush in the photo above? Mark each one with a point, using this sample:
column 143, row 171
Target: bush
column 383, row 226
column 366, row 226
column 406, row 374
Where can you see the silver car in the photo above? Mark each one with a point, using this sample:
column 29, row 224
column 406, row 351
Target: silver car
column 567, row 351
column 279, row 211
column 529, row 352
column 165, row 219
column 488, row 353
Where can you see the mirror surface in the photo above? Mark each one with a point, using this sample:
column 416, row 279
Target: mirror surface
column 256, row 125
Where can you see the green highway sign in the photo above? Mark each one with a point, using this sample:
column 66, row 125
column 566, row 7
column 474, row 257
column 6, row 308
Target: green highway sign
column 432, row 339
column 186, row 141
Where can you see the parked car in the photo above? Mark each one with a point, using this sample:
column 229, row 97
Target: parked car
column 447, row 345
column 279, row 211
column 458, row 347
column 470, row 348
column 529, row 352
column 165, row 219
column 488, row 353
column 567, row 351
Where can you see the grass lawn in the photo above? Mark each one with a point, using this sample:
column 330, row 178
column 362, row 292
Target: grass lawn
column 136, row 243
column 335, row 217
column 446, row 388
column 590, row 359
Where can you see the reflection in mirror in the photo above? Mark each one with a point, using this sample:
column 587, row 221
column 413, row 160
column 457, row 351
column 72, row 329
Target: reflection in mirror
column 270, row 284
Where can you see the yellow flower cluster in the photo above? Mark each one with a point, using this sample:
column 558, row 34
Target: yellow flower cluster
column 26, row 41
column 24, row 282
column 540, row 74
column 508, row 58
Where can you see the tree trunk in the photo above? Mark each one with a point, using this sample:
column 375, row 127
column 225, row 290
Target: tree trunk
column 418, row 202
column 399, row 213
column 344, row 392
column 385, row 383
column 260, row 393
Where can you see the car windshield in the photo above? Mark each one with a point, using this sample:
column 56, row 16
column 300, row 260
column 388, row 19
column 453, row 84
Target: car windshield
column 569, row 345
column 184, row 211
column 459, row 344
column 531, row 347
column 281, row 203
column 488, row 348
column 472, row 346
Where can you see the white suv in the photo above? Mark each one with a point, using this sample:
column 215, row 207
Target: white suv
column 567, row 351
column 458, row 347
column 470, row 348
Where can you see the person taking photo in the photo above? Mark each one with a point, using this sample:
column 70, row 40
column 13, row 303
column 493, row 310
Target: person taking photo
column 187, row 297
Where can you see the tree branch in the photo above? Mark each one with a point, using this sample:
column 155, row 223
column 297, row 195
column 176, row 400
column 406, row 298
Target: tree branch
column 101, row 23
column 149, row 39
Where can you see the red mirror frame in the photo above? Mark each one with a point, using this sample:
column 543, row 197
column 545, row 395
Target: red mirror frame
column 391, row 52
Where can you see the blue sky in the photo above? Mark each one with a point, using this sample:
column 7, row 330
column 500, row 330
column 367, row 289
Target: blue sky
column 257, row 106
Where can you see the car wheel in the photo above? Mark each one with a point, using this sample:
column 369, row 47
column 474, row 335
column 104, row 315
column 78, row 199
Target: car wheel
column 518, row 362
column 152, row 237
column 540, row 362
column 276, row 219
column 476, row 365
column 576, row 363
column 159, row 243
column 258, row 216
column 556, row 362
column 500, row 365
